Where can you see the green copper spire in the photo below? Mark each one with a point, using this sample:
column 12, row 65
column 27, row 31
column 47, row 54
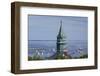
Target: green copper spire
column 61, row 44
column 61, row 33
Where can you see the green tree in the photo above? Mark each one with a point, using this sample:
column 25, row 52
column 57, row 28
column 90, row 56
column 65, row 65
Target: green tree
column 29, row 58
column 84, row 56
column 37, row 57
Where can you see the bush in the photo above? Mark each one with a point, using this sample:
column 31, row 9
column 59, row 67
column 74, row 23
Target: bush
column 84, row 56
column 36, row 57
column 60, row 57
column 29, row 58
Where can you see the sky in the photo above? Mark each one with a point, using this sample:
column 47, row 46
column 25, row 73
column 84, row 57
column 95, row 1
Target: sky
column 41, row 27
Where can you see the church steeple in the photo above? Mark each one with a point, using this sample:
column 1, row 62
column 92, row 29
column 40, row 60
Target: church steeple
column 61, row 33
column 61, row 43
column 60, row 30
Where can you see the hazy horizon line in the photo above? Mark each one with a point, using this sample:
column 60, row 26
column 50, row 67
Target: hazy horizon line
column 55, row 40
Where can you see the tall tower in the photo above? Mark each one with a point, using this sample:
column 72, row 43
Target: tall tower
column 61, row 42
